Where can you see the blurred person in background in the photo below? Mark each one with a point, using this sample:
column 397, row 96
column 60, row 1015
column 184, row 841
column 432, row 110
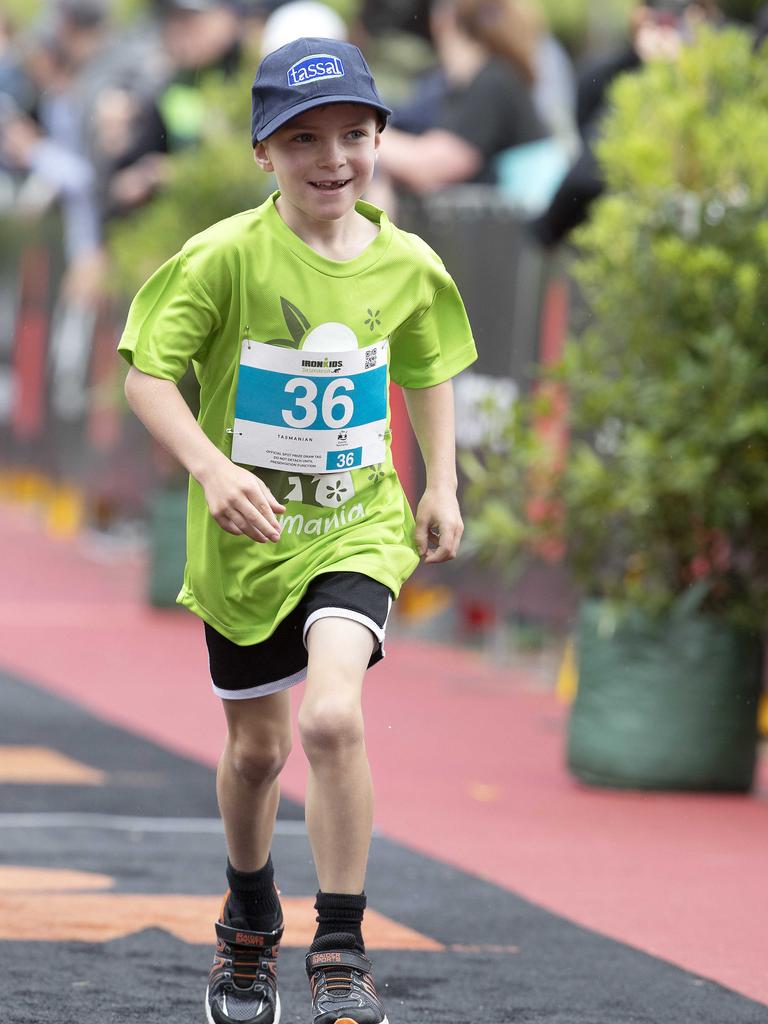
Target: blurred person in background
column 14, row 81
column 395, row 36
column 761, row 26
column 64, row 60
column 554, row 87
column 657, row 31
column 382, row 17
column 17, row 101
column 75, row 66
column 132, row 146
column 88, row 116
column 201, row 39
column 479, row 103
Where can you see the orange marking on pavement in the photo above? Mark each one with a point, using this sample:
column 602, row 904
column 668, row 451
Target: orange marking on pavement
column 15, row 878
column 456, row 947
column 36, row 765
column 99, row 917
column 485, row 793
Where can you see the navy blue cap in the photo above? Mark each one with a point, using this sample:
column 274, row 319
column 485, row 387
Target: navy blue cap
column 308, row 73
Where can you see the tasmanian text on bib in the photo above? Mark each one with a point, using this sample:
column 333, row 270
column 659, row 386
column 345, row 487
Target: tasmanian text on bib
column 310, row 412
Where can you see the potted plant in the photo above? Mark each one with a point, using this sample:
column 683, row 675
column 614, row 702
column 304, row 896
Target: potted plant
column 660, row 507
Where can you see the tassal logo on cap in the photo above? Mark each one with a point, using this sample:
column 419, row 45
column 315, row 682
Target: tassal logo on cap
column 315, row 67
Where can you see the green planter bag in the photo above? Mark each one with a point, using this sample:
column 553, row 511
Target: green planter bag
column 666, row 703
column 167, row 546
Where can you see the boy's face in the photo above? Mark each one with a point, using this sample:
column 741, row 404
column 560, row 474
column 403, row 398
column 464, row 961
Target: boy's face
column 323, row 159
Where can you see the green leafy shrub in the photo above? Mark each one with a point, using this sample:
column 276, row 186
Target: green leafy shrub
column 591, row 24
column 577, row 22
column 26, row 12
column 665, row 485
column 22, row 12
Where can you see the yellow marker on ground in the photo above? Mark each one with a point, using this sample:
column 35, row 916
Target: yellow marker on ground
column 568, row 676
column 65, row 512
column 762, row 715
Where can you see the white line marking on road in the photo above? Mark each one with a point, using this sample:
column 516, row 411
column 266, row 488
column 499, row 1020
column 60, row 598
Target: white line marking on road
column 128, row 823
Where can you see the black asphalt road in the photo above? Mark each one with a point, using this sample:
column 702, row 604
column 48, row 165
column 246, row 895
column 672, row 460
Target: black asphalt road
column 561, row 974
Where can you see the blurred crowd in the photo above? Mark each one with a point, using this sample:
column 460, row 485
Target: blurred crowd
column 91, row 110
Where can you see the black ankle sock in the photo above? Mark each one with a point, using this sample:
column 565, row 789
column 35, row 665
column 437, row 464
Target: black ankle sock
column 339, row 921
column 253, row 900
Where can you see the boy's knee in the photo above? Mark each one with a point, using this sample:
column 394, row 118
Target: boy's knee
column 330, row 725
column 258, row 759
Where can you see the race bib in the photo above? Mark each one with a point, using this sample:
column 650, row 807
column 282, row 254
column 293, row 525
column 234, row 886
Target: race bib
column 310, row 412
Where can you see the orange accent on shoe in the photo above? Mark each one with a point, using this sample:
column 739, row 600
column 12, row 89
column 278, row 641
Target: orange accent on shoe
column 223, row 905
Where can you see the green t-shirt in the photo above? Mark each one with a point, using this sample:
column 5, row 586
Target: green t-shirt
column 251, row 277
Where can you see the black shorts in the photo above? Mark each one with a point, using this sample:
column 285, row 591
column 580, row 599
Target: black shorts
column 240, row 672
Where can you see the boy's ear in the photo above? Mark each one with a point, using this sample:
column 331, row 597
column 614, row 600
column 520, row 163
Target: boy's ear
column 261, row 157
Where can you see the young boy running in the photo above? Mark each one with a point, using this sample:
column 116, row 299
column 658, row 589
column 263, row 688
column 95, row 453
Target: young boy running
column 296, row 315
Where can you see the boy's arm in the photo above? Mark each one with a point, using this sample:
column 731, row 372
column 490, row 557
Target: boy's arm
column 239, row 502
column 438, row 519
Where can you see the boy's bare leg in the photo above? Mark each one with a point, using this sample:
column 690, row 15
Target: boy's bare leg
column 258, row 742
column 339, row 813
column 339, row 798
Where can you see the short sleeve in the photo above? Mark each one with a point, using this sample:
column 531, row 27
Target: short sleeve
column 494, row 112
column 434, row 344
column 170, row 322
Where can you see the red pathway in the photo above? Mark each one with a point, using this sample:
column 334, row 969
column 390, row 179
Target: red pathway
column 467, row 760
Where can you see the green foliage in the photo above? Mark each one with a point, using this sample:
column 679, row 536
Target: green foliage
column 666, row 482
column 576, row 22
column 127, row 11
column 592, row 24
column 208, row 182
column 26, row 12
column 22, row 12
column 346, row 9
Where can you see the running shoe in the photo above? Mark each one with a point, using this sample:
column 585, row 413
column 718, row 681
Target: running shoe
column 242, row 985
column 342, row 986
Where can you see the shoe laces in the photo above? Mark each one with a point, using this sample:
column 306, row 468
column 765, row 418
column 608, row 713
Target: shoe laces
column 337, row 981
column 253, row 967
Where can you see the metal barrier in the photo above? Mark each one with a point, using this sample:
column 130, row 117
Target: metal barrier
column 66, row 435
column 518, row 300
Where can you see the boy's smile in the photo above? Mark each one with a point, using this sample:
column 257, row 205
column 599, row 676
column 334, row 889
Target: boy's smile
column 323, row 160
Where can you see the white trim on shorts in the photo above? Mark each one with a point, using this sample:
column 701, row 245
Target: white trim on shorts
column 348, row 613
column 287, row 681
column 263, row 690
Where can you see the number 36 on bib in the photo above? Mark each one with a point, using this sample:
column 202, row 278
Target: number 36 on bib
column 310, row 412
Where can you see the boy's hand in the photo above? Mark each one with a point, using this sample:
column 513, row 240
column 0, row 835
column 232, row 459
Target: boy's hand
column 241, row 503
column 438, row 525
